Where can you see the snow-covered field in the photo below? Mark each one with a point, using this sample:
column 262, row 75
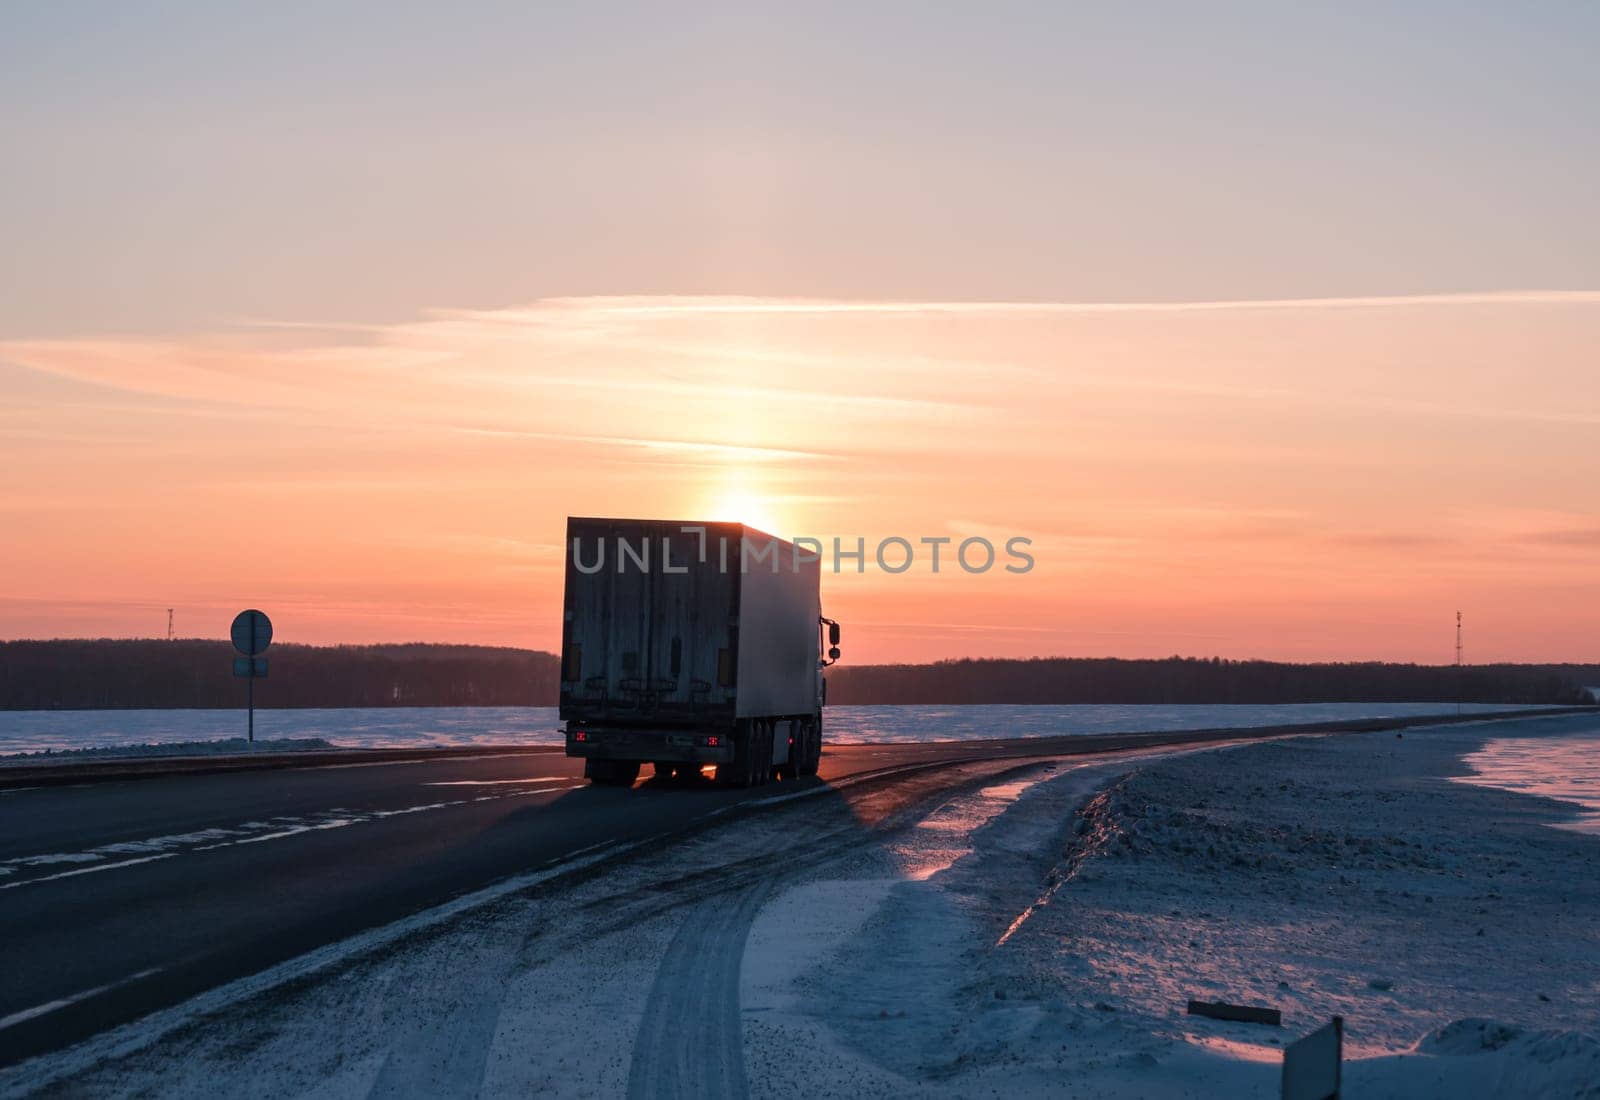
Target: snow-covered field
column 404, row 727
column 1447, row 923
column 1033, row 931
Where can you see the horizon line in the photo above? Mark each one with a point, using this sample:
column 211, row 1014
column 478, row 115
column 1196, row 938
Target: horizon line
column 871, row 664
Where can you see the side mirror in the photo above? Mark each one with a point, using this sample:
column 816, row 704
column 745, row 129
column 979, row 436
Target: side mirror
column 833, row 654
column 833, row 636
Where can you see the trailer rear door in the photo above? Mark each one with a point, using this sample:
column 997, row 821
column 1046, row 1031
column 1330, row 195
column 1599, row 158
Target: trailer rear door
column 692, row 615
column 652, row 644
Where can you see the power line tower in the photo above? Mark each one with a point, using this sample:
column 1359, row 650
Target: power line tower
column 169, row 626
column 1458, row 662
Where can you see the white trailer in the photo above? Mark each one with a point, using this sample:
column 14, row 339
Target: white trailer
column 686, row 644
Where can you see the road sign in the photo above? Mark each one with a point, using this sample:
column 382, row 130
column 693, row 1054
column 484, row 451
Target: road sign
column 252, row 632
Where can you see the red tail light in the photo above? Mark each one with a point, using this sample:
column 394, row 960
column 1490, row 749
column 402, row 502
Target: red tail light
column 579, row 735
column 713, row 741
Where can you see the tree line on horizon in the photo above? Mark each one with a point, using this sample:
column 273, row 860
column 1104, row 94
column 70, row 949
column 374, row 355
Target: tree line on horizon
column 74, row 674
column 1057, row 680
column 91, row 674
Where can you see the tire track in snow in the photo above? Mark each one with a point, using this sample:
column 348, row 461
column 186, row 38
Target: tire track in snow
column 446, row 1056
column 691, row 1038
column 690, row 1041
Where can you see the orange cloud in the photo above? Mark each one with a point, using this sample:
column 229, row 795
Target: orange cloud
column 1308, row 478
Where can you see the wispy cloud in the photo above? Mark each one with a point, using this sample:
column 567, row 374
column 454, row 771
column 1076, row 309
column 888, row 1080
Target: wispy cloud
column 1583, row 538
column 630, row 306
column 691, row 447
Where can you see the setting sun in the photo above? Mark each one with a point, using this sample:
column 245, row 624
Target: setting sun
column 744, row 506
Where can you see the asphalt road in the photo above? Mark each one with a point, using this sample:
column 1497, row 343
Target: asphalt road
column 121, row 897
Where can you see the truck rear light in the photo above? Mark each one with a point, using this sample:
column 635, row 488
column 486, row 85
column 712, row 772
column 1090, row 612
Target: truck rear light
column 579, row 735
column 712, row 741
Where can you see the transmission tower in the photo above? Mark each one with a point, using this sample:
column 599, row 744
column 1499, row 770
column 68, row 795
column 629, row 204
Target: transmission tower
column 1458, row 662
column 169, row 625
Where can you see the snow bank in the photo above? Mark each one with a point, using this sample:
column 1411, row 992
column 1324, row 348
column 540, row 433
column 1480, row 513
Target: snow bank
column 1479, row 1057
column 1320, row 876
column 229, row 746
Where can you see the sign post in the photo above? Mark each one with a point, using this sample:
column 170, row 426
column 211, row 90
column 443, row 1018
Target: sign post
column 252, row 634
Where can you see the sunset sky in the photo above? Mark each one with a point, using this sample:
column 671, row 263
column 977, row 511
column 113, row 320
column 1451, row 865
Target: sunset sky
column 1278, row 332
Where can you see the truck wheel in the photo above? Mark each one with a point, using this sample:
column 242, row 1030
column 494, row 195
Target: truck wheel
column 738, row 772
column 761, row 732
column 769, row 749
column 802, row 748
column 812, row 758
column 753, row 769
column 790, row 771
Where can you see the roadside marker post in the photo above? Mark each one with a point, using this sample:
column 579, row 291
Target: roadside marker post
column 1311, row 1063
column 252, row 634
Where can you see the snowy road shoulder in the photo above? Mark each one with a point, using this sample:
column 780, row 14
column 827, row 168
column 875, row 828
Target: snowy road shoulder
column 1448, row 924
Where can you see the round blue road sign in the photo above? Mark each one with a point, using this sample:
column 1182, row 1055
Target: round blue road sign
column 252, row 632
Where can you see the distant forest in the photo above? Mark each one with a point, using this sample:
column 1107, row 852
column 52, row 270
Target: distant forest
column 74, row 675
column 91, row 675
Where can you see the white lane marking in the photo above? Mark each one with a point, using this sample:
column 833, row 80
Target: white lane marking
column 50, row 1006
column 336, row 823
column 85, row 871
column 466, row 758
column 494, row 782
column 425, row 806
column 280, row 828
column 53, row 857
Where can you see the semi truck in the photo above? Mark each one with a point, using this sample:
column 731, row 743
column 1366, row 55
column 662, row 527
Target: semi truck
column 686, row 645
